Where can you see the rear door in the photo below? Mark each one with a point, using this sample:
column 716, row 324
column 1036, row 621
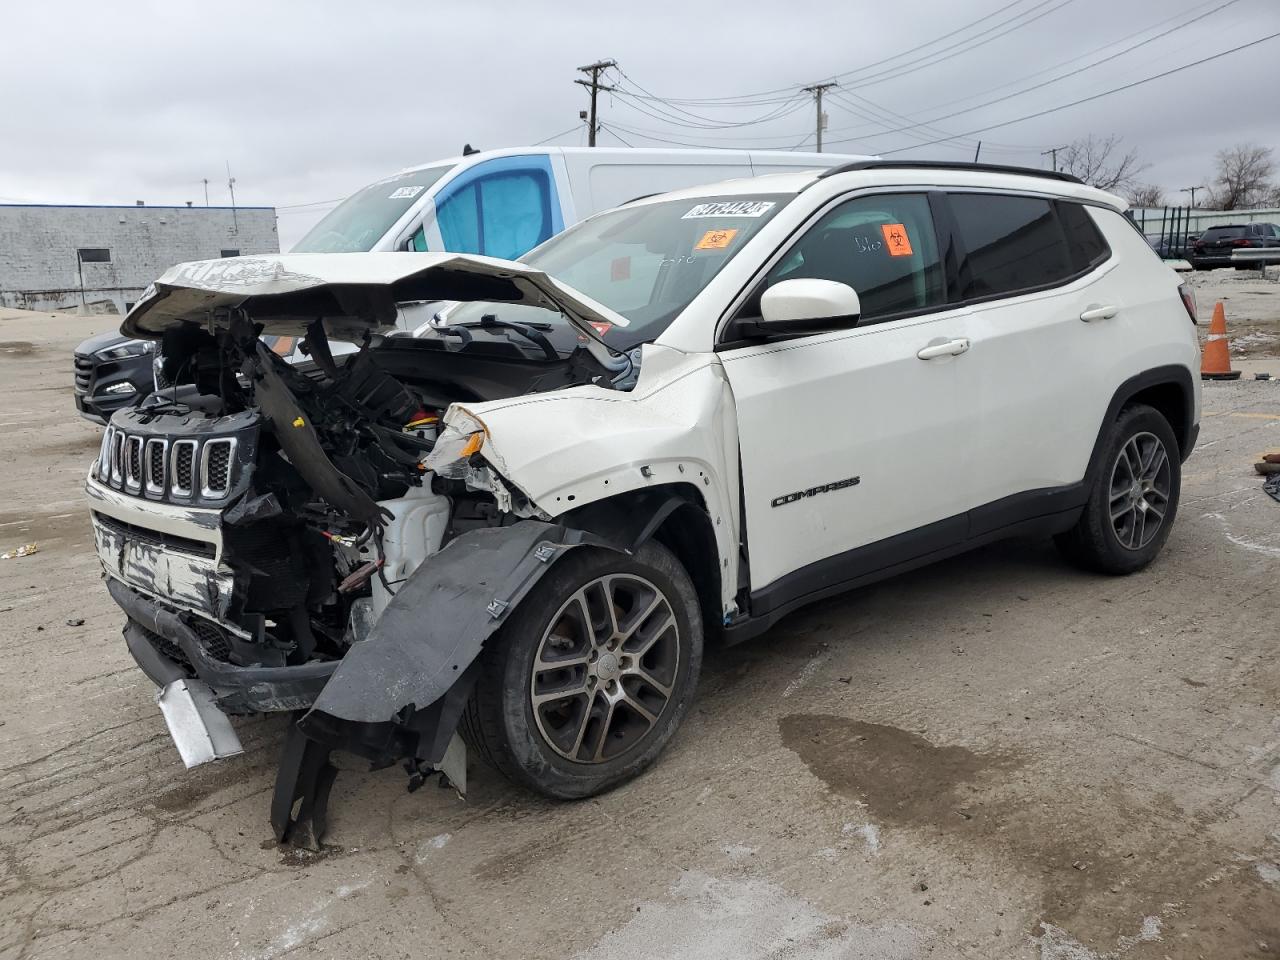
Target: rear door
column 849, row 438
column 1047, row 325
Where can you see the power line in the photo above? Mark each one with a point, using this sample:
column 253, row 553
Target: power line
column 556, row 136
column 1059, row 77
column 1096, row 96
column 710, row 101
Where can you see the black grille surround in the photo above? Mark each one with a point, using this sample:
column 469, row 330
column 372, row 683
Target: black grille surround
column 188, row 459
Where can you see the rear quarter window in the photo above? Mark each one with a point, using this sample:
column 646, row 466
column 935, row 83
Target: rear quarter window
column 1088, row 246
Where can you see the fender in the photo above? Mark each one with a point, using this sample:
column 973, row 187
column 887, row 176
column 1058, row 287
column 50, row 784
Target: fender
column 1169, row 375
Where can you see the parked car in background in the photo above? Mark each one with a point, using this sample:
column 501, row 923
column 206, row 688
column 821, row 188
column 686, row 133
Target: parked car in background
column 1171, row 247
column 1213, row 248
column 683, row 418
column 111, row 371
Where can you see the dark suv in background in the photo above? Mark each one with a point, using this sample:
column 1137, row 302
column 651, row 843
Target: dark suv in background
column 1214, row 247
column 112, row 371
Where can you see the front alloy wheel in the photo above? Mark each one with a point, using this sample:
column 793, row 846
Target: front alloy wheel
column 586, row 682
column 605, row 668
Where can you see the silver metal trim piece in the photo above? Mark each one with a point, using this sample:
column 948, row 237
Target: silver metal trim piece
column 132, row 481
column 206, row 491
column 102, row 466
column 117, row 457
column 155, row 485
column 174, row 488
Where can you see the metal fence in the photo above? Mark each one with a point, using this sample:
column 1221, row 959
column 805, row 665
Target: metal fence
column 1173, row 229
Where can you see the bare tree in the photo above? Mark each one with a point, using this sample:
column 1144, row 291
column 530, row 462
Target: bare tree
column 1098, row 162
column 1243, row 178
column 1146, row 195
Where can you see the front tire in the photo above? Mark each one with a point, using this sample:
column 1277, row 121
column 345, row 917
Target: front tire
column 1133, row 498
column 582, row 688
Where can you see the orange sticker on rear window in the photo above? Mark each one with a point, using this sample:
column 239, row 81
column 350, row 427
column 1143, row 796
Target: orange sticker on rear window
column 896, row 240
column 715, row 240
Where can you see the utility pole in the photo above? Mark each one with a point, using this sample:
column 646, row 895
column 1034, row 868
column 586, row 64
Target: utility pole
column 1192, row 191
column 595, row 86
column 231, row 187
column 817, row 90
column 206, row 191
column 1052, row 152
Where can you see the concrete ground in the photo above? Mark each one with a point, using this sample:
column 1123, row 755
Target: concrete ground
column 998, row 756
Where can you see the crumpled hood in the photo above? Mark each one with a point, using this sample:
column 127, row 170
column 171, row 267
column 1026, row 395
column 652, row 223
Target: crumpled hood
column 354, row 293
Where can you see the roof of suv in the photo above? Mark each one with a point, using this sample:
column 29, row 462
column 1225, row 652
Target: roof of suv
column 898, row 172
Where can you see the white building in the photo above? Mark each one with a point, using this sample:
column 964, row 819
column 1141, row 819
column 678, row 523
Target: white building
column 99, row 259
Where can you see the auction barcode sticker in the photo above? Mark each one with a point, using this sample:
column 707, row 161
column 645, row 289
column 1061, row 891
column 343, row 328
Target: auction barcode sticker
column 731, row 208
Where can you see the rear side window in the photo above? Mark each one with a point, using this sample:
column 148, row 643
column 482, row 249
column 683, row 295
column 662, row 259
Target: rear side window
column 1088, row 248
column 1011, row 245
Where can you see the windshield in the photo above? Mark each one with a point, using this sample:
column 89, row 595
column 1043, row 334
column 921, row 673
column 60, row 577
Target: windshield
column 645, row 262
column 360, row 221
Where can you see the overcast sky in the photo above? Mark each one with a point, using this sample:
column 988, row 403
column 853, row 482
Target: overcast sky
column 117, row 102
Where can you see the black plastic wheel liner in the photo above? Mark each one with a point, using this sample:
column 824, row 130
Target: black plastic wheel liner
column 427, row 637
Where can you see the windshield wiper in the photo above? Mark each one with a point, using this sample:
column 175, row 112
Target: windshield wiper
column 530, row 331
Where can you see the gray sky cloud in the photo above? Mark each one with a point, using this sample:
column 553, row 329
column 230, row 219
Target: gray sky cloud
column 109, row 103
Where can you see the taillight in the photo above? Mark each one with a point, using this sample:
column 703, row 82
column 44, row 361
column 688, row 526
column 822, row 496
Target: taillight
column 1199, row 245
column 1188, row 300
column 1242, row 243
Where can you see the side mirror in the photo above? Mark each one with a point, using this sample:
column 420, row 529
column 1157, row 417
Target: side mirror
column 806, row 306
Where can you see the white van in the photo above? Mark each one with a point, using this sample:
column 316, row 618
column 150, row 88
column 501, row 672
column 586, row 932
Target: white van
column 503, row 203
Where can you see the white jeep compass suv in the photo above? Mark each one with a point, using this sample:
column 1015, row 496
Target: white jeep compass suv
column 680, row 419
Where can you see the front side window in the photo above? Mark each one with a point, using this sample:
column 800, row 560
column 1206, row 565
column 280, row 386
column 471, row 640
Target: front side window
column 884, row 247
column 501, row 215
column 1011, row 244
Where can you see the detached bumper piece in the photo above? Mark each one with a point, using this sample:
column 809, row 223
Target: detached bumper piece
column 200, row 731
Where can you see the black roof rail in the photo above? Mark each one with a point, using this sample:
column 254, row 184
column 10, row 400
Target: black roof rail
column 948, row 165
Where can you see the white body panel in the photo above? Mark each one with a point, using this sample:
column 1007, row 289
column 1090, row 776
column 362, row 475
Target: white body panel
column 858, row 403
column 568, row 448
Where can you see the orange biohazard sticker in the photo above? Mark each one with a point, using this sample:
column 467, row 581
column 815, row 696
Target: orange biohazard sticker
column 715, row 240
column 896, row 240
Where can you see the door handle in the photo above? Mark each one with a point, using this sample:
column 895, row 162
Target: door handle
column 1099, row 313
column 952, row 348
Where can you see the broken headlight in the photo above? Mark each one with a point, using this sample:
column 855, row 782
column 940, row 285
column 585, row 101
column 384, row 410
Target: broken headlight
column 461, row 437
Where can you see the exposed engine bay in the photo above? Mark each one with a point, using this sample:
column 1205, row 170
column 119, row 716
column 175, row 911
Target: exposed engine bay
column 327, row 503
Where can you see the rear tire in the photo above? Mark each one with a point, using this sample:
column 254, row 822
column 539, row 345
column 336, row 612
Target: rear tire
column 582, row 688
column 1133, row 497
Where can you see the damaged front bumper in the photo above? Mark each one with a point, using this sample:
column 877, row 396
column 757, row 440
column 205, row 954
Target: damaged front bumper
column 167, row 648
column 396, row 696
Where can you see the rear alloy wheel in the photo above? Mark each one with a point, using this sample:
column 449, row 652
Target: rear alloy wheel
column 583, row 686
column 1139, row 490
column 1133, row 496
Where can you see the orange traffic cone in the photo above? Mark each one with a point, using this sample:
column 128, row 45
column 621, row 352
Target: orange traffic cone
column 1215, row 363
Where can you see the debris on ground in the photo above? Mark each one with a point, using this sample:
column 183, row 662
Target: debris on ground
column 1272, row 487
column 23, row 551
column 75, row 622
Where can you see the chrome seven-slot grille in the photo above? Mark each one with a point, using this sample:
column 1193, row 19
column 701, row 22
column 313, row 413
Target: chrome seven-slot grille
column 157, row 466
